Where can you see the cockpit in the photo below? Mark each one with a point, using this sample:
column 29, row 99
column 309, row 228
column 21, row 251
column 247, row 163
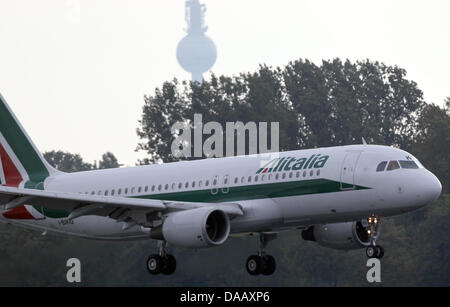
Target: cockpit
column 396, row 164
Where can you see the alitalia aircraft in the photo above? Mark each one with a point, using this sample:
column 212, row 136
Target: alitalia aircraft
column 334, row 196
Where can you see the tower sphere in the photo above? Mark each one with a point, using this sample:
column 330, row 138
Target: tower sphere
column 196, row 53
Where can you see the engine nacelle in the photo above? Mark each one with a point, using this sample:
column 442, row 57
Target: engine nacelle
column 196, row 228
column 346, row 236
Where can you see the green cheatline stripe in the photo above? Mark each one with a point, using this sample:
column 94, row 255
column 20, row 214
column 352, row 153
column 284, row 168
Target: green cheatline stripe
column 260, row 191
column 22, row 148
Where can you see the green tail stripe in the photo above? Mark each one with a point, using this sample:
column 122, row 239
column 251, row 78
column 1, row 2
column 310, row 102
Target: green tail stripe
column 22, row 148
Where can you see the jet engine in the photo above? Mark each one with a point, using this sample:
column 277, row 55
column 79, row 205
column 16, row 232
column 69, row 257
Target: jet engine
column 195, row 228
column 345, row 236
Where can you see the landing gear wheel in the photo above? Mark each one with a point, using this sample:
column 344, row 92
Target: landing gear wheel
column 269, row 265
column 262, row 263
column 371, row 251
column 375, row 252
column 169, row 265
column 254, row 265
column 380, row 252
column 154, row 264
column 161, row 262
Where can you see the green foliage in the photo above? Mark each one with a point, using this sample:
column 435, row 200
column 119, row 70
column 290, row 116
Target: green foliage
column 67, row 162
column 333, row 104
column 342, row 102
column 431, row 144
column 108, row 161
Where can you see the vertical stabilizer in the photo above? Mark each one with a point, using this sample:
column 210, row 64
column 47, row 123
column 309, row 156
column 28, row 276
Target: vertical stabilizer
column 21, row 164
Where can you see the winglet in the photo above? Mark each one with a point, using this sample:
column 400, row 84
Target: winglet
column 364, row 142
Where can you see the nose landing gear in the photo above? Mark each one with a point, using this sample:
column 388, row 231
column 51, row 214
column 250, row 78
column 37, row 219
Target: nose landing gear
column 373, row 250
column 161, row 263
column 262, row 263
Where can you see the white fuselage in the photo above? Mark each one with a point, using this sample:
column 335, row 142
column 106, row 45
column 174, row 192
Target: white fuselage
column 346, row 188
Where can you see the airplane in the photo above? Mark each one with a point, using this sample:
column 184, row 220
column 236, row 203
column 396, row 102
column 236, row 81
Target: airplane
column 335, row 196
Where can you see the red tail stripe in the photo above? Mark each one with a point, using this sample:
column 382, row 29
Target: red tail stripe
column 12, row 174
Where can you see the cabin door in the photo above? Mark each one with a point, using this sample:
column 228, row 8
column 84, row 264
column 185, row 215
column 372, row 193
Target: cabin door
column 348, row 170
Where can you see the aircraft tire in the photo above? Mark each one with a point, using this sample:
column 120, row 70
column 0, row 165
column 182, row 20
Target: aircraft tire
column 169, row 265
column 154, row 264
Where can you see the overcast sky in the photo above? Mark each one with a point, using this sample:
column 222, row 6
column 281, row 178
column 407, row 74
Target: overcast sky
column 75, row 71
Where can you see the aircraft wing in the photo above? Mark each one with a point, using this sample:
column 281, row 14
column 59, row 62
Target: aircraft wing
column 134, row 211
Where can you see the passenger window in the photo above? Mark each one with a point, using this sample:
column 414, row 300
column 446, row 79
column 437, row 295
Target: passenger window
column 106, row 193
column 393, row 165
column 256, row 178
column 249, row 178
column 113, row 191
column 381, row 166
column 318, row 172
column 146, row 189
column 283, row 176
column 207, row 183
column 180, row 185
column 290, row 174
column 408, row 164
column 166, row 187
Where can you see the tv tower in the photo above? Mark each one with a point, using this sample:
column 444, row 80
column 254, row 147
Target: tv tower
column 196, row 52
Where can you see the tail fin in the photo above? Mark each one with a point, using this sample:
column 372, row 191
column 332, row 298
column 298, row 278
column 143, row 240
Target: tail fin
column 21, row 164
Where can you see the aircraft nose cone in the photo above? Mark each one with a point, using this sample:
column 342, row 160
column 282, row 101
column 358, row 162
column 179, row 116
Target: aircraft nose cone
column 433, row 188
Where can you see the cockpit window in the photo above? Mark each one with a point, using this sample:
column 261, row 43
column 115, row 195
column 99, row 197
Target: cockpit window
column 381, row 166
column 408, row 164
column 393, row 165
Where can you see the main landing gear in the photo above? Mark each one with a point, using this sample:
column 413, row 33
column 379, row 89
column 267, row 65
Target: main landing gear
column 161, row 262
column 373, row 250
column 262, row 263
